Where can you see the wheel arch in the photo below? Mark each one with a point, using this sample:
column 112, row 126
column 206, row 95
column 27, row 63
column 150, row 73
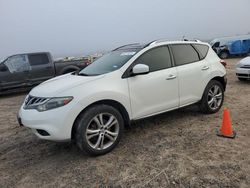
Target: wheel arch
column 224, row 51
column 117, row 105
column 222, row 80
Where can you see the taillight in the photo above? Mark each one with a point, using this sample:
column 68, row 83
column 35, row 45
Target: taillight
column 88, row 62
column 224, row 63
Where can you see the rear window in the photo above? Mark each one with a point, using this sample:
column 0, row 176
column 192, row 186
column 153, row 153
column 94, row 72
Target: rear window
column 202, row 49
column 38, row 59
column 184, row 54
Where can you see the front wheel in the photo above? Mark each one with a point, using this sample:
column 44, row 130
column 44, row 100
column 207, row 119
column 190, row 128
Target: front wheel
column 242, row 79
column 212, row 98
column 99, row 129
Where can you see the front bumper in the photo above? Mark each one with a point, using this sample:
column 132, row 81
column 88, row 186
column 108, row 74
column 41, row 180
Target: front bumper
column 53, row 124
column 243, row 73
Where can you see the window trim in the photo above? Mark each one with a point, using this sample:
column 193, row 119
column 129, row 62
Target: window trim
column 200, row 54
column 199, row 59
column 127, row 73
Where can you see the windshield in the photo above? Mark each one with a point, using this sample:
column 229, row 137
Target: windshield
column 3, row 59
column 108, row 63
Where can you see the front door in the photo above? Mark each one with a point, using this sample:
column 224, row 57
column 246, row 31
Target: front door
column 14, row 72
column 156, row 91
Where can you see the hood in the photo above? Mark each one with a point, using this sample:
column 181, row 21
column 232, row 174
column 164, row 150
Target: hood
column 245, row 61
column 54, row 86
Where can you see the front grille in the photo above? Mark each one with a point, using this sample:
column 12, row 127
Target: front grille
column 31, row 101
column 246, row 67
column 243, row 75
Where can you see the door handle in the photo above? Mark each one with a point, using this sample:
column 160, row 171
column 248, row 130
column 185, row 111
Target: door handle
column 205, row 68
column 171, row 77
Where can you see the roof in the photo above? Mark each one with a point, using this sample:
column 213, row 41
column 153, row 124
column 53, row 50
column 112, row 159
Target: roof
column 226, row 39
column 139, row 46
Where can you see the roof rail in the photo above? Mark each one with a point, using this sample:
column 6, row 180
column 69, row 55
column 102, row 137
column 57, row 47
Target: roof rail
column 158, row 41
column 195, row 40
column 150, row 43
column 125, row 46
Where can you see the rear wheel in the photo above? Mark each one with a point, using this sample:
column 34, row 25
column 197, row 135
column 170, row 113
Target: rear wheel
column 224, row 55
column 212, row 98
column 99, row 129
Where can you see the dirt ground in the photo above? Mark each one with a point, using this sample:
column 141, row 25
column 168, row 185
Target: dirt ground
column 175, row 149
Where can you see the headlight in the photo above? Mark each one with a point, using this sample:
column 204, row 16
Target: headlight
column 54, row 103
column 44, row 104
column 238, row 65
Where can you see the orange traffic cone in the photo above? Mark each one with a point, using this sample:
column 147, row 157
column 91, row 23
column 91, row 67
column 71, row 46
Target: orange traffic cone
column 226, row 128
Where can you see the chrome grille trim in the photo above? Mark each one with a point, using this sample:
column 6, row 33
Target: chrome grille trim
column 31, row 101
column 246, row 67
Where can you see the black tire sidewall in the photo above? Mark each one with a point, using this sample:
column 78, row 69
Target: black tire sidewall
column 242, row 79
column 205, row 108
column 83, row 122
column 225, row 54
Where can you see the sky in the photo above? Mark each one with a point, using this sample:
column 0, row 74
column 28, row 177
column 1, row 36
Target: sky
column 80, row 27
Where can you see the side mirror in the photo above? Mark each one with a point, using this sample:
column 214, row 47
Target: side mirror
column 3, row 68
column 140, row 69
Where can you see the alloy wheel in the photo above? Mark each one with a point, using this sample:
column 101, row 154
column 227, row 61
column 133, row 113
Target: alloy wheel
column 102, row 131
column 214, row 97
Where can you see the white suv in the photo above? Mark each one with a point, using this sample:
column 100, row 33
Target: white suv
column 132, row 82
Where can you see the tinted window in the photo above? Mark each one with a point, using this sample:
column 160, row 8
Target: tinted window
column 184, row 54
column 157, row 58
column 38, row 59
column 202, row 49
column 17, row 63
column 216, row 45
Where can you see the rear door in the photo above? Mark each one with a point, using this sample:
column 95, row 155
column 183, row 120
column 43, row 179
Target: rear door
column 14, row 72
column 245, row 46
column 193, row 71
column 41, row 68
column 236, row 47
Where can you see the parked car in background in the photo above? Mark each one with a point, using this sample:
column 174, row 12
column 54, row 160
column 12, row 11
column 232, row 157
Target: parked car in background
column 130, row 83
column 30, row 69
column 228, row 46
column 243, row 69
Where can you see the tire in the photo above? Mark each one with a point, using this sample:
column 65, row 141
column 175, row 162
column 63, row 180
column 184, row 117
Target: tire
column 224, row 55
column 212, row 98
column 100, row 138
column 242, row 79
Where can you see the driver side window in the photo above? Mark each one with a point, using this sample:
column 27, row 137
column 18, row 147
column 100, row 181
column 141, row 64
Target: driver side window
column 18, row 63
column 157, row 58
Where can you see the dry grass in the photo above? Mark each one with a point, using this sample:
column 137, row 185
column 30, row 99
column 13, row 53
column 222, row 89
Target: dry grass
column 175, row 149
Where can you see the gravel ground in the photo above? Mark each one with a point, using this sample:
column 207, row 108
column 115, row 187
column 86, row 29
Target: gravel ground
column 175, row 149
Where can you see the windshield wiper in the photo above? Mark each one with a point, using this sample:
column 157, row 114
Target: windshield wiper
column 82, row 74
column 79, row 73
